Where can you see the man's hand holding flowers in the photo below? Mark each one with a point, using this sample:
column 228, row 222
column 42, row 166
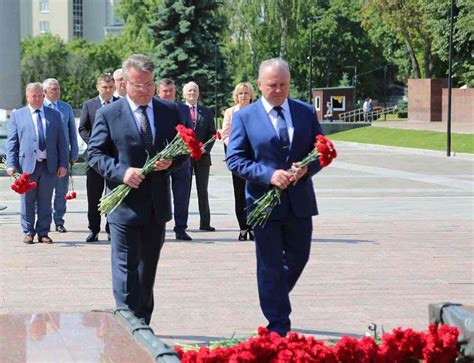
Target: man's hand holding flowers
column 184, row 143
column 323, row 151
column 298, row 171
column 162, row 164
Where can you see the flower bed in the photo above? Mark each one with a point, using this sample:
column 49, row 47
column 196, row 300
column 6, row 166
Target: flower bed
column 437, row 345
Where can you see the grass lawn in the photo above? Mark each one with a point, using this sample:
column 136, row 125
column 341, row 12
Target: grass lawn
column 418, row 139
column 392, row 117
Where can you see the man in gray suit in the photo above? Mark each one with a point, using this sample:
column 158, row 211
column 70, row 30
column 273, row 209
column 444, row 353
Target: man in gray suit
column 52, row 92
column 36, row 145
column 204, row 127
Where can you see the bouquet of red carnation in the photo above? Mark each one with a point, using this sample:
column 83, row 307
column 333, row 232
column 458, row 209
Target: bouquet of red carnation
column 184, row 143
column 323, row 151
column 22, row 183
column 71, row 193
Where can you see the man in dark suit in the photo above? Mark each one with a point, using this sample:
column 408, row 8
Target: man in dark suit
column 52, row 92
column 269, row 137
column 124, row 134
column 180, row 178
column 95, row 183
column 37, row 145
column 205, row 128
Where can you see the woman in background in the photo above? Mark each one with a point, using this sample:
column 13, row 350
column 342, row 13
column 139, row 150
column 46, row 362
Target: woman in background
column 243, row 94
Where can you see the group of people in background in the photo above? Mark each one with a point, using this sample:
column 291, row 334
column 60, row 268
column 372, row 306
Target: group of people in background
column 130, row 119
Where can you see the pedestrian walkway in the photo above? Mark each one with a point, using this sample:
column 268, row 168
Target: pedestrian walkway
column 395, row 233
column 456, row 127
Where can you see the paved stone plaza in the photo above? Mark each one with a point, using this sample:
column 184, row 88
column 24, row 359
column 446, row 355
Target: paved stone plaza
column 395, row 233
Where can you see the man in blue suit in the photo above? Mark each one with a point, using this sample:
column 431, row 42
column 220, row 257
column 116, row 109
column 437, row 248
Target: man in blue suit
column 268, row 138
column 37, row 145
column 180, row 178
column 123, row 136
column 52, row 92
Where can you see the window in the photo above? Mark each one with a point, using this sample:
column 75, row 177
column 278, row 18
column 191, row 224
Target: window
column 317, row 103
column 44, row 27
column 44, row 6
column 77, row 13
column 338, row 103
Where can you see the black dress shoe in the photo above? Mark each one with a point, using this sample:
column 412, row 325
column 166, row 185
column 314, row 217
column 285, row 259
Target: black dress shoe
column 61, row 229
column 207, row 228
column 243, row 235
column 92, row 237
column 251, row 235
column 183, row 236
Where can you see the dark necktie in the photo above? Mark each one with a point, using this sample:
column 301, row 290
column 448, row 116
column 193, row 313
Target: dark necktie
column 193, row 115
column 146, row 130
column 41, row 138
column 105, row 103
column 282, row 128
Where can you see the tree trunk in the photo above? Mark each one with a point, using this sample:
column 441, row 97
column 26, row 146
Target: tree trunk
column 252, row 51
column 411, row 53
column 428, row 60
column 283, row 35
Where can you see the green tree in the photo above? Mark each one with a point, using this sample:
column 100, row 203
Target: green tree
column 42, row 57
column 87, row 61
column 187, row 38
column 344, row 82
column 257, row 31
column 136, row 37
column 463, row 38
column 407, row 21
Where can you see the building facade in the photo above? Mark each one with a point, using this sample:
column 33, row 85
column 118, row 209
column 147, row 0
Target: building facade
column 10, row 74
column 70, row 19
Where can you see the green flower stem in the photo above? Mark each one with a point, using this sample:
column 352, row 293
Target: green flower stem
column 111, row 201
column 265, row 204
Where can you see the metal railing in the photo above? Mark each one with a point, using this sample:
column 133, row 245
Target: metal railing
column 359, row 115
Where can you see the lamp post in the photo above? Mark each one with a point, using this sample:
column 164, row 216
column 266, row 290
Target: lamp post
column 309, row 21
column 450, row 80
column 215, row 79
column 354, row 83
column 385, row 91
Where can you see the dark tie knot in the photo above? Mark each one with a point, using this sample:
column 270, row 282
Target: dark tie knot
column 37, row 111
column 279, row 111
column 143, row 108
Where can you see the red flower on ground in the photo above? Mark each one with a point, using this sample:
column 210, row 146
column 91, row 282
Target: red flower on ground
column 402, row 345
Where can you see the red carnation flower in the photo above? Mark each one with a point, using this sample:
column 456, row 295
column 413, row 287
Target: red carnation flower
column 22, row 183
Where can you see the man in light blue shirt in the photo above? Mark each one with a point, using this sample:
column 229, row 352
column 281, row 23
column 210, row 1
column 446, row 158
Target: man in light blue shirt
column 52, row 92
